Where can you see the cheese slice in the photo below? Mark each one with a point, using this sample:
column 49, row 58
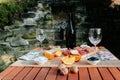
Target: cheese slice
column 74, row 52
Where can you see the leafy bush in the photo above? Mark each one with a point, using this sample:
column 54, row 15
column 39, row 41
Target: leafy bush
column 10, row 9
column 4, row 1
column 3, row 15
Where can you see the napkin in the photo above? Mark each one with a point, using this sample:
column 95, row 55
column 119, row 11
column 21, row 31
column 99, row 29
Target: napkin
column 40, row 60
column 34, row 56
column 106, row 55
column 31, row 55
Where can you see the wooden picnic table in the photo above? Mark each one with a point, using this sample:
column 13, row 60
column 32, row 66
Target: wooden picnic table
column 52, row 73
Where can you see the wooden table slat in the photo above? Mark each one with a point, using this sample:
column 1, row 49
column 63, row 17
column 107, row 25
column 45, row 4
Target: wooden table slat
column 23, row 73
column 13, row 73
column 61, row 77
column 52, row 74
column 105, row 74
column 42, row 74
column 83, row 74
column 6, row 71
column 32, row 74
column 115, row 72
column 119, row 68
column 72, row 76
column 94, row 74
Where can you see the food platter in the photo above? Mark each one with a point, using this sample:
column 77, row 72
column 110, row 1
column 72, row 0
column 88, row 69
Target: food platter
column 61, row 55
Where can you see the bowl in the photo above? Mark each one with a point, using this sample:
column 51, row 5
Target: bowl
column 93, row 60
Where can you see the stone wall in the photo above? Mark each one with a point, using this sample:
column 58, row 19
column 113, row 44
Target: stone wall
column 19, row 38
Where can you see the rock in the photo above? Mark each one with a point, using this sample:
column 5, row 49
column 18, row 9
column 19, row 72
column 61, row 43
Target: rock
column 5, row 47
column 48, row 17
column 5, row 44
column 19, row 31
column 40, row 14
column 17, row 22
column 9, row 27
column 9, row 34
column 2, row 35
column 18, row 41
column 1, row 62
column 29, row 21
column 29, row 36
column 6, row 58
column 40, row 5
column 18, row 51
column 24, row 42
column 15, row 43
column 9, row 39
column 6, row 33
column 49, row 22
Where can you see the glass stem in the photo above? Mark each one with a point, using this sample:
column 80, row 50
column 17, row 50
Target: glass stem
column 95, row 49
column 41, row 45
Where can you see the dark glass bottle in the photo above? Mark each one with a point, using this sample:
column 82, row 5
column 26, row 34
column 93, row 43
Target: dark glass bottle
column 70, row 33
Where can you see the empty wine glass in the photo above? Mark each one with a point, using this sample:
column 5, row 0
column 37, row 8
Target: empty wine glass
column 40, row 35
column 95, row 36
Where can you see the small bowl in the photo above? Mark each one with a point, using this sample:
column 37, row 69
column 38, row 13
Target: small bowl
column 93, row 60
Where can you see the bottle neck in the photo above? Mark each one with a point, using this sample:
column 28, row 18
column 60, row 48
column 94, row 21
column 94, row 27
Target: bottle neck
column 71, row 25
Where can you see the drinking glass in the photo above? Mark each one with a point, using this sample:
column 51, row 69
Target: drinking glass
column 40, row 35
column 95, row 36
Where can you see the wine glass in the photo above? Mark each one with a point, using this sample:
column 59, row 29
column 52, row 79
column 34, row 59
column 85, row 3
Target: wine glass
column 95, row 36
column 40, row 35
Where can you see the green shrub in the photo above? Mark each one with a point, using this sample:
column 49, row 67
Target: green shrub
column 13, row 9
column 3, row 15
column 10, row 9
column 4, row 1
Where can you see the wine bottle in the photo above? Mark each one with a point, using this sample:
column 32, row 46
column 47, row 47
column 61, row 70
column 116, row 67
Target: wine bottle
column 70, row 33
